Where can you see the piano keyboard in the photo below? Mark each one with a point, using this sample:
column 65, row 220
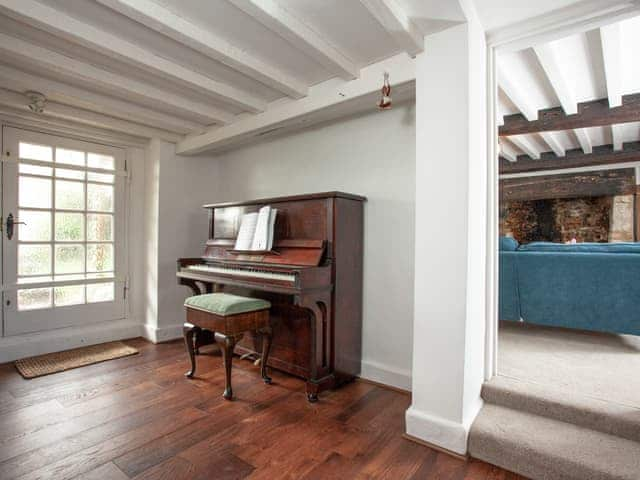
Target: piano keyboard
column 245, row 272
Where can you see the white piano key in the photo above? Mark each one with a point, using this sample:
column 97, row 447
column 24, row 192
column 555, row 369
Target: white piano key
column 249, row 272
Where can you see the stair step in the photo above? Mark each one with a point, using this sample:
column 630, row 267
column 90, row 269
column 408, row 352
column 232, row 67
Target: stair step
column 544, row 448
column 607, row 417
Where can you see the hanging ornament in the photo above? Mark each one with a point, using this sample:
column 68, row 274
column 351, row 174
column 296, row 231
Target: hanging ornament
column 385, row 101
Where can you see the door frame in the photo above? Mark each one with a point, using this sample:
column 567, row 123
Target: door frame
column 544, row 28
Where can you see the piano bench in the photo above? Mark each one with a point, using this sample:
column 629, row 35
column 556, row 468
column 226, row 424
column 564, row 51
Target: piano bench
column 228, row 317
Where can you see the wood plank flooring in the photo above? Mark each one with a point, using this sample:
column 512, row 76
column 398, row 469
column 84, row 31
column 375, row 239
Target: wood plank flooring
column 140, row 418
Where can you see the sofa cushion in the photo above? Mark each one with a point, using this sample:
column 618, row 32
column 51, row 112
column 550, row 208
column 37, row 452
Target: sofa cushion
column 508, row 244
column 581, row 247
column 226, row 304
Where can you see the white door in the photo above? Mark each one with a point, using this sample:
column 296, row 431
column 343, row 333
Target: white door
column 64, row 264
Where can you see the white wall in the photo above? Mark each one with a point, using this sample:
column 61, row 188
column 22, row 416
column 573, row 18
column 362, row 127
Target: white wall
column 371, row 155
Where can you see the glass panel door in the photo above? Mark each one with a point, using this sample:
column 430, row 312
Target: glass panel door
column 64, row 262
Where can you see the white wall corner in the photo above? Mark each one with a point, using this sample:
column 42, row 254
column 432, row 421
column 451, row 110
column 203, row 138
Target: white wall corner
column 163, row 334
column 386, row 374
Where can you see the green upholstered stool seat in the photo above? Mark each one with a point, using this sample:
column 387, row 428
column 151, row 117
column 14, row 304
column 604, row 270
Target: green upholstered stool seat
column 225, row 304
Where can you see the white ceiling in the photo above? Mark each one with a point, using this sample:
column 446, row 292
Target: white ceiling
column 593, row 65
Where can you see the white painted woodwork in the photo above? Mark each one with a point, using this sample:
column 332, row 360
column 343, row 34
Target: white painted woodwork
column 551, row 139
column 507, row 151
column 332, row 93
column 526, row 145
column 72, row 29
column 617, row 135
column 397, row 23
column 547, row 58
column 164, row 21
column 515, row 94
column 126, row 87
column 584, row 139
column 611, row 54
column 279, row 20
column 68, row 94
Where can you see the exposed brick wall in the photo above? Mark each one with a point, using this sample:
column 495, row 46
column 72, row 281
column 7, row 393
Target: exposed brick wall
column 590, row 219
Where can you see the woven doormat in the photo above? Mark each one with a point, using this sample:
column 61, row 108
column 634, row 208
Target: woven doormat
column 78, row 357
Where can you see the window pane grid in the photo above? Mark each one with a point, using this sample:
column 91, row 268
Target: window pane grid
column 70, row 235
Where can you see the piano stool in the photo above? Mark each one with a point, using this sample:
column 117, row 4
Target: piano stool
column 228, row 317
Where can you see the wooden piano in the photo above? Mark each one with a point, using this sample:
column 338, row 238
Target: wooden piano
column 313, row 279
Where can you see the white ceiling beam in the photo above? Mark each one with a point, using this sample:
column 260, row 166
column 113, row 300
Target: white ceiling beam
column 516, row 95
column 93, row 119
column 611, row 54
column 118, row 84
column 277, row 19
column 616, row 135
column 551, row 139
column 584, row 140
column 74, row 30
column 524, row 144
column 322, row 98
column 396, row 22
column 507, row 151
column 550, row 65
column 164, row 21
column 19, row 81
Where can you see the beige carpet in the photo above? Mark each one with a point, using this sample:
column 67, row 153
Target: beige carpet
column 78, row 357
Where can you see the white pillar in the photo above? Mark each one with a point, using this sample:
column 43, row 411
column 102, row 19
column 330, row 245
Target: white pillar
column 450, row 257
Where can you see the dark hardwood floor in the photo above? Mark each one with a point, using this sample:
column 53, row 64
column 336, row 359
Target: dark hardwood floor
column 139, row 417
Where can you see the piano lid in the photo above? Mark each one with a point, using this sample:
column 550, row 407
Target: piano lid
column 291, row 198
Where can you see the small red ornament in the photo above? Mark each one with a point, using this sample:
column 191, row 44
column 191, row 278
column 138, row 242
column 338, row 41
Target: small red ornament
column 385, row 101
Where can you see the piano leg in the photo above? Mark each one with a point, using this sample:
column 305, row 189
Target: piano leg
column 226, row 345
column 266, row 346
column 188, row 331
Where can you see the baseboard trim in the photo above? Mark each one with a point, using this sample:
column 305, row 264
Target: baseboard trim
column 162, row 334
column 436, row 431
column 32, row 344
column 464, row 457
column 386, row 375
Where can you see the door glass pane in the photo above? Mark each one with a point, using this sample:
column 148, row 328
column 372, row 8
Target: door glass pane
column 68, row 295
column 34, row 152
column 34, row 192
column 35, row 169
column 69, row 259
column 69, row 195
column 34, row 259
column 100, row 177
column 69, row 226
column 99, row 197
column 32, row 298
column 99, row 227
column 100, row 292
column 71, row 157
column 100, row 257
column 37, row 228
column 66, row 173
column 95, row 160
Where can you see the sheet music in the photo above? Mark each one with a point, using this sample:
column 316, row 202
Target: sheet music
column 261, row 235
column 246, row 232
column 272, row 223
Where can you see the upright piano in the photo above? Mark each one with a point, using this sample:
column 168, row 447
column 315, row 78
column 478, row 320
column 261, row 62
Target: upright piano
column 312, row 277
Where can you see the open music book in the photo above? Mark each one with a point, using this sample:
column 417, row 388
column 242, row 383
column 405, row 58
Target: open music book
column 256, row 230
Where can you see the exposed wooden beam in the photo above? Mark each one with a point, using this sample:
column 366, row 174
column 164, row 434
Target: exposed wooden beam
column 277, row 19
column 326, row 97
column 164, row 21
column 584, row 139
column 55, row 110
column 616, row 135
column 590, row 114
column 611, row 55
column 571, row 185
column 601, row 155
column 515, row 93
column 125, row 87
column 526, row 146
column 507, row 151
column 64, row 93
column 74, row 30
column 551, row 139
column 547, row 58
column 396, row 22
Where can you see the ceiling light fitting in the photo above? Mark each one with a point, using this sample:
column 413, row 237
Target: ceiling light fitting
column 37, row 101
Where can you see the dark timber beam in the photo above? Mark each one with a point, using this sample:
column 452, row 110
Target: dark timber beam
column 602, row 155
column 590, row 114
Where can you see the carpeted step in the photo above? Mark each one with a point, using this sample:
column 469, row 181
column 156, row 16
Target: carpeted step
column 543, row 448
column 608, row 417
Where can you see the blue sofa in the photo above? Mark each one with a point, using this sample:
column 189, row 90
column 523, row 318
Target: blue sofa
column 588, row 286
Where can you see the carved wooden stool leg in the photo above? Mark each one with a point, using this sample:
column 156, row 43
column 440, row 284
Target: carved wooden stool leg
column 188, row 331
column 266, row 333
column 226, row 345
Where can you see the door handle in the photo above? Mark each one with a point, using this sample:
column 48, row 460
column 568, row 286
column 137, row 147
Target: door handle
column 10, row 223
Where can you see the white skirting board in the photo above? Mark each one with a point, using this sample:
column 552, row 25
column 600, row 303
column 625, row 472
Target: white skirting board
column 162, row 334
column 29, row 345
column 386, row 374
